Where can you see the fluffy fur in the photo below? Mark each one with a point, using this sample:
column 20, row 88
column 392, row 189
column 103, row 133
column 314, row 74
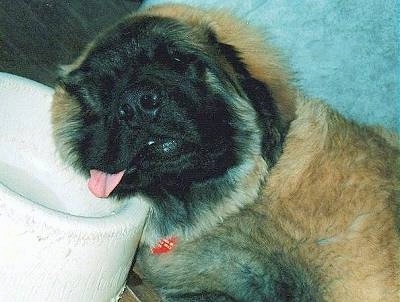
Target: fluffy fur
column 272, row 197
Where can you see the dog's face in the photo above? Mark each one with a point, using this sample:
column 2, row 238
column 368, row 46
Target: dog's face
column 157, row 105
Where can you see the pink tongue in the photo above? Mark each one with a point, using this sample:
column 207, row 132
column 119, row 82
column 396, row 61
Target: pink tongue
column 102, row 184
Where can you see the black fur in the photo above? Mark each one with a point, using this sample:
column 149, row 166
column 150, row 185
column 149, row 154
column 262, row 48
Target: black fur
column 190, row 114
column 180, row 152
column 262, row 100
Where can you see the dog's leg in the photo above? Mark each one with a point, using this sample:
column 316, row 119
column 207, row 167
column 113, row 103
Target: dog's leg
column 234, row 274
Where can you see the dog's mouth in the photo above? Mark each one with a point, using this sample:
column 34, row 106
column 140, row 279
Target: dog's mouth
column 101, row 184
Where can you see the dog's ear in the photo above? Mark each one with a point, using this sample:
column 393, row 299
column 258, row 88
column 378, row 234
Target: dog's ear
column 261, row 98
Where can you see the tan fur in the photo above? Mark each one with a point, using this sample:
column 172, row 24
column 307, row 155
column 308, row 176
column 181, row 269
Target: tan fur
column 333, row 191
column 63, row 108
column 63, row 103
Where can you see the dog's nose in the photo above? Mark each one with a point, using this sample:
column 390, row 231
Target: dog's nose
column 137, row 106
column 149, row 102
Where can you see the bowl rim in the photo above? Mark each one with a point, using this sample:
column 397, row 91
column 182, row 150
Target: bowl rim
column 22, row 210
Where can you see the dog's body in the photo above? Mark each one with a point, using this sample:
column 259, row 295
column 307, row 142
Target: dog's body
column 265, row 196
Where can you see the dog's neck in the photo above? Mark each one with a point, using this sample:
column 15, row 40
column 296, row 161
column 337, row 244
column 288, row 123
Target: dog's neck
column 207, row 205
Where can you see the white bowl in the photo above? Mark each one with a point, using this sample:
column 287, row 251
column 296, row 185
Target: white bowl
column 57, row 241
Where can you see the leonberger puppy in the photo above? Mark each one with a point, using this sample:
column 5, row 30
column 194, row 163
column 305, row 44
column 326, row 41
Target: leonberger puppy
column 256, row 193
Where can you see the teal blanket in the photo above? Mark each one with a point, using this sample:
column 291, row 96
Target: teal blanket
column 344, row 52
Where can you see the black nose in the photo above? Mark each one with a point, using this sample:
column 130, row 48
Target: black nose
column 149, row 102
column 139, row 105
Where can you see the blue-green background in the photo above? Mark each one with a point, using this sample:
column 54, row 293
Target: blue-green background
column 343, row 51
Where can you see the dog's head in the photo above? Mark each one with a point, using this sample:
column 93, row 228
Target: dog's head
column 156, row 104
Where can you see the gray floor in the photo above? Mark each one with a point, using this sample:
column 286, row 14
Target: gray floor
column 37, row 35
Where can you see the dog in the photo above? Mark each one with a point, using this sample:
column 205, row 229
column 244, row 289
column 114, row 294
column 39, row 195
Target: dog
column 256, row 193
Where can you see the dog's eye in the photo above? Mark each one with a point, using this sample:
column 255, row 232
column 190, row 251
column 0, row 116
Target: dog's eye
column 176, row 58
column 182, row 61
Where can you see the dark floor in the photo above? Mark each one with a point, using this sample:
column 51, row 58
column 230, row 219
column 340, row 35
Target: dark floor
column 38, row 35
